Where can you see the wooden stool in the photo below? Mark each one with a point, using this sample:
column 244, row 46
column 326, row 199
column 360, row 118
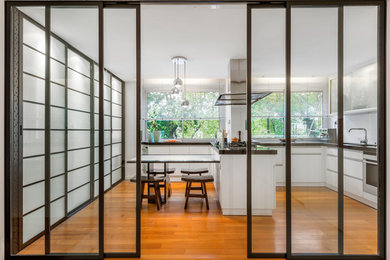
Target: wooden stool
column 155, row 183
column 155, row 172
column 199, row 171
column 202, row 180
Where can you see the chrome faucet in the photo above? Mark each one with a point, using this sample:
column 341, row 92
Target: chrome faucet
column 365, row 141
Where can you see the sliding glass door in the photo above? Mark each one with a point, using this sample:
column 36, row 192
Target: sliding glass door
column 322, row 66
column 69, row 194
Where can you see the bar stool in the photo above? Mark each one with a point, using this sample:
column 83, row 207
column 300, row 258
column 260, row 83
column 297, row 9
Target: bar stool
column 189, row 179
column 155, row 183
column 155, row 172
column 199, row 171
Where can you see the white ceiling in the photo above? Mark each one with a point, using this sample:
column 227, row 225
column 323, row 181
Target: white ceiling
column 210, row 35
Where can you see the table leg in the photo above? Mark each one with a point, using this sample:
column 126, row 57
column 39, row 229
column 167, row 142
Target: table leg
column 165, row 183
column 149, row 186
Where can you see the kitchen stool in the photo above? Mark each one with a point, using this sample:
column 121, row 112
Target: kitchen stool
column 155, row 183
column 155, row 172
column 200, row 179
column 199, row 171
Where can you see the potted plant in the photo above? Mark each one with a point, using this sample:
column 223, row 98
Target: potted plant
column 156, row 135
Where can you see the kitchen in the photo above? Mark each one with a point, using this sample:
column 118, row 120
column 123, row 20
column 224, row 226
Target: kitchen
column 180, row 136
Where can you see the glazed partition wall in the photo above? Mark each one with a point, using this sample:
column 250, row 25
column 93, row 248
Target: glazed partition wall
column 328, row 196
column 55, row 171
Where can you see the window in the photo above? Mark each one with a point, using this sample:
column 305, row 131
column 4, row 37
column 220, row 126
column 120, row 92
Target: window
column 306, row 115
column 165, row 114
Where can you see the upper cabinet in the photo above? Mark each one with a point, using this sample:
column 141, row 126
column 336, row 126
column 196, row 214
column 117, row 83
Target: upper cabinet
column 360, row 90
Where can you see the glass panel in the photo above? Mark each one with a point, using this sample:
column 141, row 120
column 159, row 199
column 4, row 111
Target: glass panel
column 116, row 162
column 78, row 139
column 57, row 49
column 78, row 120
column 33, row 169
column 78, row 63
column 57, row 210
column 33, row 116
column 268, row 171
column 169, row 129
column 78, row 177
column 33, row 62
column 33, row 89
column 107, row 167
column 200, row 128
column 57, row 118
column 57, row 187
column 360, row 128
column 78, row 82
column 33, row 224
column 78, row 197
column 78, row 101
column 57, row 95
column 57, row 141
column 57, row 164
column 34, row 36
column 33, row 197
column 120, row 201
column 57, row 72
column 33, row 143
column 314, row 208
column 78, row 158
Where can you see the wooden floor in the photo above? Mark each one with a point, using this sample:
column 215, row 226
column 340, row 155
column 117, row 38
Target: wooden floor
column 195, row 233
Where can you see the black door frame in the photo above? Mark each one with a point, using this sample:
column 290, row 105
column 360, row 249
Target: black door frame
column 381, row 145
column 251, row 4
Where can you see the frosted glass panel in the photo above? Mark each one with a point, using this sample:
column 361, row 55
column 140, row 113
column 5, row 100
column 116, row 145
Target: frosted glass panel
column 96, row 191
column 96, row 138
column 33, row 197
column 107, row 182
column 33, row 115
column 107, row 123
column 117, row 97
column 78, row 177
column 78, row 101
column 33, row 169
column 116, row 84
column 57, row 187
column 116, row 123
column 57, row 72
column 57, row 164
column 96, row 154
column 57, row 95
column 34, row 36
column 78, row 139
column 116, row 175
column 107, row 108
column 96, row 106
column 78, row 120
column 107, row 93
column 116, row 149
column 96, row 172
column 116, row 110
column 78, row 82
column 57, row 210
column 33, row 224
column 96, row 121
column 57, row 49
column 57, row 141
column 78, row 63
column 107, row 152
column 116, row 136
column 96, row 72
column 33, row 143
column 78, row 158
column 33, row 89
column 116, row 162
column 33, row 62
column 96, row 88
column 107, row 78
column 107, row 137
column 78, row 197
column 57, row 118
column 107, row 167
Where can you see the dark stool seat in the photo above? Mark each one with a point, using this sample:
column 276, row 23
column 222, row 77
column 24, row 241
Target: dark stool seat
column 195, row 171
column 161, row 171
column 155, row 183
column 200, row 179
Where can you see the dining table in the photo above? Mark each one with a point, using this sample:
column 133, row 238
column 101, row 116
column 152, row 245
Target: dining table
column 165, row 159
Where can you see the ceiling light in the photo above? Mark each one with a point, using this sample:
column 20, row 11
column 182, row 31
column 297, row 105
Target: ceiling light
column 175, row 91
column 178, row 82
column 185, row 103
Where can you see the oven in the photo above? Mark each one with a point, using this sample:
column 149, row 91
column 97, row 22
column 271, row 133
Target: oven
column 370, row 177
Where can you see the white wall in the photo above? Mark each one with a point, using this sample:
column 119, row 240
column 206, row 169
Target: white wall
column 130, row 125
column 2, row 129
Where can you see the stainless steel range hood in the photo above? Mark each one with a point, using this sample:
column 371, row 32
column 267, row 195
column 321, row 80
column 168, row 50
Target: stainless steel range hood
column 236, row 86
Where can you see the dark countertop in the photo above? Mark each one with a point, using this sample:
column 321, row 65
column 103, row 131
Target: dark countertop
column 242, row 150
column 366, row 149
column 178, row 143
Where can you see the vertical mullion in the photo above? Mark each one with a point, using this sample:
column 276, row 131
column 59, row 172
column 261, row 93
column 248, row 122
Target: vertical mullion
column 92, row 131
column 340, row 128
column 110, row 129
column 66, row 130
column 288, row 130
column 123, row 130
column 138, row 130
column 249, row 134
column 47, row 130
column 381, row 142
column 101, row 131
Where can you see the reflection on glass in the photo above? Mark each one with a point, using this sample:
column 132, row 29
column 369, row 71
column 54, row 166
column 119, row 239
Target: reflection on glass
column 268, row 171
column 314, row 204
column 360, row 127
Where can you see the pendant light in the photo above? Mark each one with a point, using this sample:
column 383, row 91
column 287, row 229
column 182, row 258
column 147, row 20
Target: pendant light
column 178, row 83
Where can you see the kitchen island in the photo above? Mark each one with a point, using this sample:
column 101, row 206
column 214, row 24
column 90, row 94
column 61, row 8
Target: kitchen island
column 230, row 175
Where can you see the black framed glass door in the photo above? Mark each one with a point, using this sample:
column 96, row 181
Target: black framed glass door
column 327, row 188
column 66, row 130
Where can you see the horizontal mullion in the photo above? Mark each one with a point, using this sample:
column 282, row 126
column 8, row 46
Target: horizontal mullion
column 58, row 152
column 31, row 211
column 60, row 197
column 78, row 110
column 34, row 102
column 82, row 74
column 33, row 156
column 117, row 168
column 107, row 174
column 34, row 49
column 81, row 129
column 33, row 183
column 58, row 175
column 80, row 148
column 78, row 91
column 116, row 103
column 117, row 143
column 78, row 168
column 117, row 117
column 78, row 187
column 32, row 75
column 33, row 129
column 116, row 90
column 116, row 156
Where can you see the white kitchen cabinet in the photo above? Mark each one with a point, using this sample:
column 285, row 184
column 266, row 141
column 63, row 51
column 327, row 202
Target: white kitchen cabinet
column 332, row 180
column 307, row 166
column 353, row 186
